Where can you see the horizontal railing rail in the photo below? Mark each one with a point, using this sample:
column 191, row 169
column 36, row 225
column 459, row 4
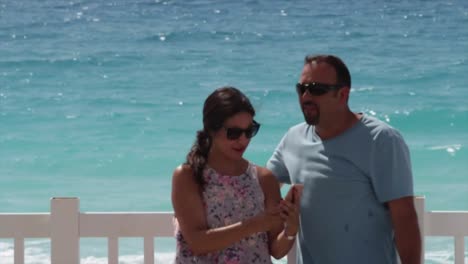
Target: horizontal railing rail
column 65, row 225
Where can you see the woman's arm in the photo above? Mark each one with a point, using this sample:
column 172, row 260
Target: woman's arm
column 190, row 214
column 279, row 243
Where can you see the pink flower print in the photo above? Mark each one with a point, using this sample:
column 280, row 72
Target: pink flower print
column 229, row 192
column 226, row 180
column 233, row 255
column 235, row 181
column 252, row 241
column 227, row 220
column 219, row 197
column 242, row 193
column 249, row 205
column 227, row 200
column 236, row 205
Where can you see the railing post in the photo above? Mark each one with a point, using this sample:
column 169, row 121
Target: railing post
column 420, row 211
column 113, row 250
column 459, row 249
column 19, row 250
column 148, row 250
column 64, row 231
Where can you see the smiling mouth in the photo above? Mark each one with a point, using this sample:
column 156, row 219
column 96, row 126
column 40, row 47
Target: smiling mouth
column 239, row 149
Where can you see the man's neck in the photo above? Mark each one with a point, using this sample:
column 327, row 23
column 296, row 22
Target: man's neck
column 337, row 126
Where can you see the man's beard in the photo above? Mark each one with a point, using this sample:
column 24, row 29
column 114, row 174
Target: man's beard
column 311, row 119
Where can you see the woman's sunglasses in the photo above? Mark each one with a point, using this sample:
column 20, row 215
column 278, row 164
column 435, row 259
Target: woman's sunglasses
column 316, row 88
column 233, row 133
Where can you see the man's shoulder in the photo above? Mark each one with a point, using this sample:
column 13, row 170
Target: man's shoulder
column 378, row 128
column 299, row 128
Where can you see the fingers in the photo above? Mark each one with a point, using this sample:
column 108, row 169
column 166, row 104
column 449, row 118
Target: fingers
column 290, row 220
column 287, row 206
column 290, row 195
column 274, row 210
column 274, row 220
column 294, row 195
column 299, row 187
column 288, row 210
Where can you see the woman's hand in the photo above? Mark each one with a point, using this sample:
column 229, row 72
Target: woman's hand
column 269, row 219
column 290, row 210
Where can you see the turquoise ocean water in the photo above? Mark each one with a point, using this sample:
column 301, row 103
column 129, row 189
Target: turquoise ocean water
column 101, row 99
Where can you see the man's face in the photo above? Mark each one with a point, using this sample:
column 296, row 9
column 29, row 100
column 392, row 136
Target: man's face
column 313, row 106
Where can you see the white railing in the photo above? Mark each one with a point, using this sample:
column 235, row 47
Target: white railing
column 65, row 225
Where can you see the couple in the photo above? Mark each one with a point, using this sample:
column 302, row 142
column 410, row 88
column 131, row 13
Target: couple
column 356, row 204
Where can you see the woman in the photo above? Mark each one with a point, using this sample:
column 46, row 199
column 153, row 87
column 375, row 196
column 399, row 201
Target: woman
column 227, row 209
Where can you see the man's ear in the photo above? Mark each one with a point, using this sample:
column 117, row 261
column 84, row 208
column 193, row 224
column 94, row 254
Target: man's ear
column 344, row 94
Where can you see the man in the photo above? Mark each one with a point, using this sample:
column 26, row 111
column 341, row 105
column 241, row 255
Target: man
column 357, row 200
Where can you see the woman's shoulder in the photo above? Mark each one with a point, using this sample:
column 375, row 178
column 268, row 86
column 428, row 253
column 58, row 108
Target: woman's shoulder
column 265, row 176
column 183, row 172
column 269, row 184
column 183, row 168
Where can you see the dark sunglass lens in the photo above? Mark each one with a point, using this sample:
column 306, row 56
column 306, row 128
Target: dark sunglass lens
column 300, row 88
column 314, row 88
column 250, row 132
column 233, row 133
column 253, row 130
column 318, row 90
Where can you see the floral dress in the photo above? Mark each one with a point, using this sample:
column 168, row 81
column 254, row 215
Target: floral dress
column 227, row 200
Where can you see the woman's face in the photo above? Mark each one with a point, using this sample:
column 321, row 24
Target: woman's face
column 227, row 141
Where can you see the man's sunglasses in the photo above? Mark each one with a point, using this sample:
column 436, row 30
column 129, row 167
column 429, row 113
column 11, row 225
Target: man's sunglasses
column 233, row 133
column 316, row 88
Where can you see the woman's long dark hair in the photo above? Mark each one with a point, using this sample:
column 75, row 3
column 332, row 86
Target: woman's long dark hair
column 220, row 105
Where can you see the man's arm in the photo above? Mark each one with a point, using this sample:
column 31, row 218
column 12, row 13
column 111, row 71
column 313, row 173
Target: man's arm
column 405, row 225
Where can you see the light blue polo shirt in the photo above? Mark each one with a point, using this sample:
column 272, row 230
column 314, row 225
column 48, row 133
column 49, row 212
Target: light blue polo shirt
column 347, row 180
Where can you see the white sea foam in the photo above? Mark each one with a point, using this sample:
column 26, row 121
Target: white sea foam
column 442, row 257
column 130, row 259
column 451, row 149
column 40, row 255
column 6, row 253
column 363, row 89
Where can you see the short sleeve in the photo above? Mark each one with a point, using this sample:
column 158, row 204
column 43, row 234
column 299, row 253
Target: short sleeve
column 390, row 167
column 277, row 165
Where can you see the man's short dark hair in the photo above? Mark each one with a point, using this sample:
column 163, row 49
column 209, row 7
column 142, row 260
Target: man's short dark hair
column 342, row 73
